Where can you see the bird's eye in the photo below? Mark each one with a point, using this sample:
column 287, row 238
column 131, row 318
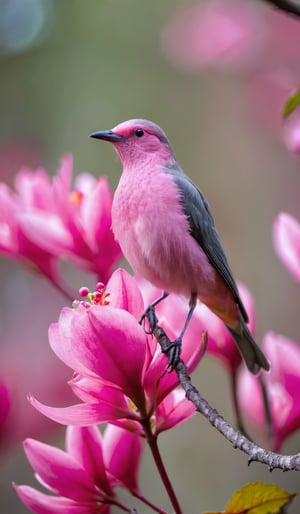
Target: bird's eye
column 139, row 133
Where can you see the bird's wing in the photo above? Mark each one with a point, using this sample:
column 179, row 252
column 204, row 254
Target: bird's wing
column 202, row 228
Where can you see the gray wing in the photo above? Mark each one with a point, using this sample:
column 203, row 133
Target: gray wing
column 202, row 228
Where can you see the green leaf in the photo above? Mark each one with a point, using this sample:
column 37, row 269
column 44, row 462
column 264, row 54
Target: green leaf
column 257, row 498
column 291, row 104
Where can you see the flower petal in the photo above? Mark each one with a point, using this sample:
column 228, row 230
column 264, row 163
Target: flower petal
column 62, row 185
column 122, row 454
column 5, row 403
column 34, row 189
column 98, row 334
column 96, row 223
column 286, row 238
column 174, row 409
column 125, row 293
column 94, row 391
column 291, row 132
column 85, row 445
column 82, row 414
column 45, row 504
column 59, row 471
column 47, row 231
column 60, row 341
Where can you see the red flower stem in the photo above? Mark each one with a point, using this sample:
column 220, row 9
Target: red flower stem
column 152, row 441
column 148, row 502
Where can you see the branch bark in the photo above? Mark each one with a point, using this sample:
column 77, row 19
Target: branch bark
column 288, row 6
column 254, row 452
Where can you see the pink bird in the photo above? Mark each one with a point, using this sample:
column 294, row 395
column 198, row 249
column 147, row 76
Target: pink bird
column 166, row 231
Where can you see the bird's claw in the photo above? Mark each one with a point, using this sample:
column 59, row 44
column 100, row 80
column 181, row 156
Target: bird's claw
column 150, row 315
column 172, row 351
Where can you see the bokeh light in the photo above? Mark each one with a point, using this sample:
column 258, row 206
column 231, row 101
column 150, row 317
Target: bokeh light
column 24, row 24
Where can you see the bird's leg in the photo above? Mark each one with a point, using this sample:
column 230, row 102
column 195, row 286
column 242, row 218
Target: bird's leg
column 150, row 315
column 173, row 350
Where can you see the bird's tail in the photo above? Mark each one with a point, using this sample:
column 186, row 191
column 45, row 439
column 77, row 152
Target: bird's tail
column 254, row 358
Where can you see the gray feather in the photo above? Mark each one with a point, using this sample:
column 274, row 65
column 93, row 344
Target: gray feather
column 202, row 228
column 250, row 351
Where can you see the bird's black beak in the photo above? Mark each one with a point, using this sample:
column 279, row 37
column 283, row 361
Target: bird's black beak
column 108, row 135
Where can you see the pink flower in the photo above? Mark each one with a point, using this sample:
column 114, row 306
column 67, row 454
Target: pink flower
column 291, row 132
column 286, row 238
column 214, row 34
column 84, row 475
column 282, row 384
column 15, row 244
column 4, row 405
column 46, row 221
column 118, row 367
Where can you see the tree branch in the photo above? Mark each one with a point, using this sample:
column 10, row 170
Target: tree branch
column 254, row 452
column 288, row 6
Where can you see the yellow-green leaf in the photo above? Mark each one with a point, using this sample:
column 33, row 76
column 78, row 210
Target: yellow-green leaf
column 257, row 498
column 291, row 104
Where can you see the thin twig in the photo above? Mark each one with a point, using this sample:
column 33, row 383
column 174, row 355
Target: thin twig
column 143, row 499
column 254, row 452
column 288, row 6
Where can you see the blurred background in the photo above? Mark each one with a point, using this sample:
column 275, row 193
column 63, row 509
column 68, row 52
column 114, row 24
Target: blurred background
column 68, row 68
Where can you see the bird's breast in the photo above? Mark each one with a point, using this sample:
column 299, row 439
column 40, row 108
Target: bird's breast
column 150, row 225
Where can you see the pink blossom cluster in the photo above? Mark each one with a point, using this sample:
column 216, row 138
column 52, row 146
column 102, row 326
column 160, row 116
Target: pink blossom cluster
column 283, row 382
column 119, row 376
column 242, row 37
column 117, row 365
column 83, row 478
column 45, row 221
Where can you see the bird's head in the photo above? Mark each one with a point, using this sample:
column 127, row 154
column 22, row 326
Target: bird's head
column 137, row 141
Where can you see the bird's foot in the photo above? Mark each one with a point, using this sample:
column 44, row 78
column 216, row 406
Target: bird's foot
column 149, row 315
column 173, row 350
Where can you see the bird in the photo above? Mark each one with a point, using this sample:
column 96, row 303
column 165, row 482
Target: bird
column 167, row 233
